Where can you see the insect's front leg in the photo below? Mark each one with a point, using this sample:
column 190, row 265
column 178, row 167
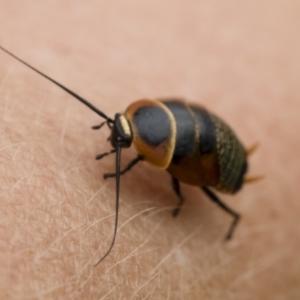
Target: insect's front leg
column 127, row 168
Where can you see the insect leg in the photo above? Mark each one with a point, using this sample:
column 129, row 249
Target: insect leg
column 236, row 216
column 99, row 156
column 97, row 127
column 127, row 168
column 176, row 189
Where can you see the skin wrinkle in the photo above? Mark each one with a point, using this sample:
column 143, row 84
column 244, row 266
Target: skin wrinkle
column 174, row 248
column 96, row 194
column 63, row 131
column 82, row 284
column 259, row 266
column 152, row 276
column 3, row 148
column 135, row 251
column 238, row 60
column 153, row 289
column 72, row 158
column 4, row 81
column 36, row 119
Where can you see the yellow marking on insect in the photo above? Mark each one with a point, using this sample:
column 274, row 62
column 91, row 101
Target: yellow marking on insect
column 125, row 125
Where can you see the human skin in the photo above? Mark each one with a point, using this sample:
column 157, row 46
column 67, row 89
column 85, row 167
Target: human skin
column 57, row 212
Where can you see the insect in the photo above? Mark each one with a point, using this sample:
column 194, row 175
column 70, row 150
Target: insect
column 194, row 145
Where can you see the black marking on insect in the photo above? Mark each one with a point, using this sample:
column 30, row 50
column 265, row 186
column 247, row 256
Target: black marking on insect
column 192, row 144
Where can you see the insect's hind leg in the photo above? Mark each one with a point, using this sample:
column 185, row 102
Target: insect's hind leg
column 235, row 215
column 176, row 189
column 127, row 168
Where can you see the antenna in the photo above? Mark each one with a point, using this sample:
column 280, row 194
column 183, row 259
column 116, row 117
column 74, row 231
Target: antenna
column 118, row 162
column 82, row 100
column 108, row 121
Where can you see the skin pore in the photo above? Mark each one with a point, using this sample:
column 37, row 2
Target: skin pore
column 57, row 212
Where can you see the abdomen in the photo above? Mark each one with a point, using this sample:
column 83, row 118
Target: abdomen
column 207, row 152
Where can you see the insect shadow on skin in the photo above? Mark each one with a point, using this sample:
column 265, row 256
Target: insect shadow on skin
column 192, row 144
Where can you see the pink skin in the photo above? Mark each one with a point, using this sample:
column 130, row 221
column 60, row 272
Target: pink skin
column 239, row 60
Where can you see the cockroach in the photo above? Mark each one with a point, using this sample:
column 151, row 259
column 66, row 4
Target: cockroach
column 192, row 144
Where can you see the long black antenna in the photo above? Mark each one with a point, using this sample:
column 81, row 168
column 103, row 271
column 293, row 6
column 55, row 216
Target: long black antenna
column 88, row 104
column 118, row 162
